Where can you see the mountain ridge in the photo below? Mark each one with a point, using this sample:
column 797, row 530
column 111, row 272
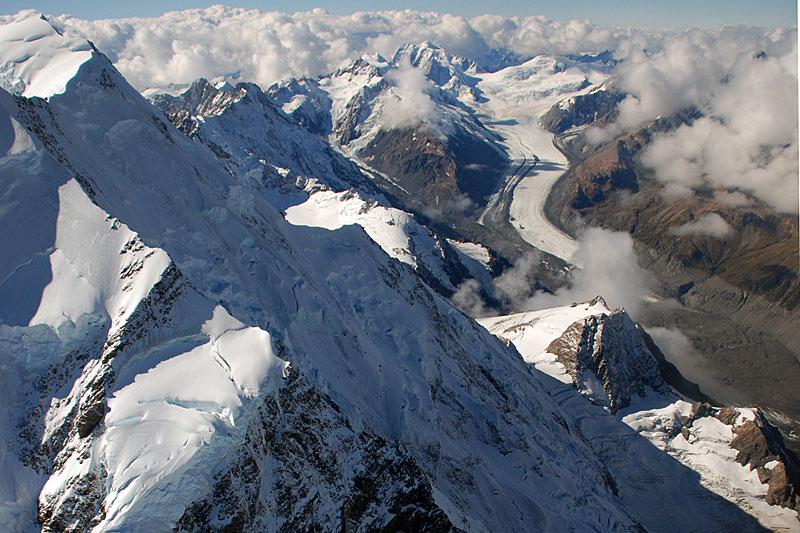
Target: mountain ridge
column 205, row 338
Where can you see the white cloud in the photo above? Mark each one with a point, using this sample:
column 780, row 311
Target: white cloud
column 731, row 198
column 266, row 47
column 711, row 224
column 744, row 81
column 263, row 47
column 467, row 298
column 514, row 285
column 679, row 350
column 408, row 103
column 610, row 269
column 537, row 35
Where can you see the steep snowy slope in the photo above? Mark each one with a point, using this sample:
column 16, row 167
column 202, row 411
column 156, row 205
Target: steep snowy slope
column 601, row 354
column 93, row 320
column 172, row 368
column 297, row 171
column 256, row 141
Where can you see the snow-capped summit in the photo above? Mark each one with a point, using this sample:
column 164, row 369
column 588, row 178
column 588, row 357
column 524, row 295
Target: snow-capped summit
column 442, row 69
column 37, row 59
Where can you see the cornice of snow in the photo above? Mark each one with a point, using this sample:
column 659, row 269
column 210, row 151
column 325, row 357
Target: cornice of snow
column 36, row 58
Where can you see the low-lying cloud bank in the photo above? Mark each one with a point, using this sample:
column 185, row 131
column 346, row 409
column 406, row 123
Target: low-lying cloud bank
column 265, row 47
column 679, row 350
column 744, row 83
column 610, row 269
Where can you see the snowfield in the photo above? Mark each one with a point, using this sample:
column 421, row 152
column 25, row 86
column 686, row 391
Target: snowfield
column 41, row 60
column 390, row 228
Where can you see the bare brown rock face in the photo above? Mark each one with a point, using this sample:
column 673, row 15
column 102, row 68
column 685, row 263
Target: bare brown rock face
column 760, row 444
column 440, row 171
column 603, row 176
column 608, row 348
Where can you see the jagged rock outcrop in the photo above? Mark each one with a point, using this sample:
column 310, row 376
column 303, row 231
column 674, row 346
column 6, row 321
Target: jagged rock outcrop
column 200, row 99
column 304, row 101
column 581, row 110
column 608, row 350
column 698, row 436
column 759, row 446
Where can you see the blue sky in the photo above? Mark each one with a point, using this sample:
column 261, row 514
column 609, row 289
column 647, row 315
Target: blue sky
column 683, row 13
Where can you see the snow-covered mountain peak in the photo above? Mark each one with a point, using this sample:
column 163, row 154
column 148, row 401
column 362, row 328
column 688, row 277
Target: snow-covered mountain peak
column 444, row 70
column 367, row 65
column 36, row 58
